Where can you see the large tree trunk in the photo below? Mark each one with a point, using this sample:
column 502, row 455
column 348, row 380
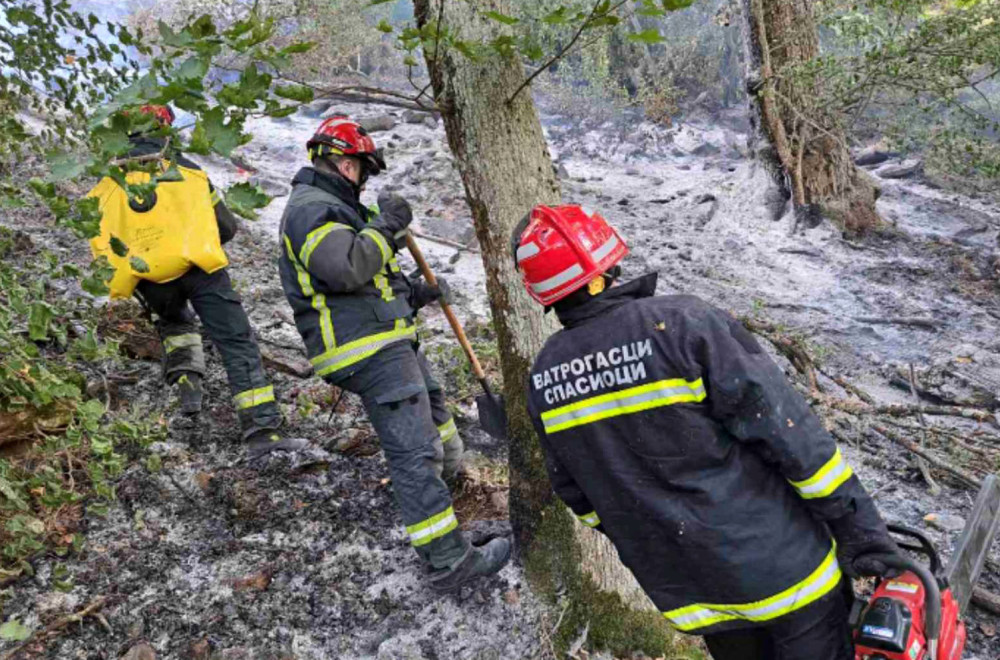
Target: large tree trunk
column 803, row 145
column 506, row 169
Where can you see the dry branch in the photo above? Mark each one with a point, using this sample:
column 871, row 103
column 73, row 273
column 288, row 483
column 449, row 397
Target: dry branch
column 56, row 626
column 986, row 600
column 961, row 474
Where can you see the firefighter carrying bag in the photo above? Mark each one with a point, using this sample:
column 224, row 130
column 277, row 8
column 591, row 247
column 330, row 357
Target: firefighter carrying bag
column 171, row 232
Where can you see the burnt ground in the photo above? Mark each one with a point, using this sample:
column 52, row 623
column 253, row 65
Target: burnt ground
column 210, row 558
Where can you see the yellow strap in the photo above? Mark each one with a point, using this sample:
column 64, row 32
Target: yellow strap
column 318, row 300
column 448, row 430
column 252, row 398
column 353, row 352
column 432, row 528
column 825, row 480
column 819, row 583
column 380, row 241
column 315, row 237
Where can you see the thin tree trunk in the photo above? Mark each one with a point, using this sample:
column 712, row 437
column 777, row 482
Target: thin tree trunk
column 803, row 146
column 506, row 169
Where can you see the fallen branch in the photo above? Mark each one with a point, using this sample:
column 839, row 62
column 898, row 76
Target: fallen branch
column 444, row 241
column 921, row 462
column 986, row 600
column 928, row 324
column 904, row 410
column 959, row 473
column 56, row 626
column 791, row 347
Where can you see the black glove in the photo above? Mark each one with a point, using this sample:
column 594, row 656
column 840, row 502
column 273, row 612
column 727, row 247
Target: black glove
column 859, row 536
column 395, row 215
column 423, row 294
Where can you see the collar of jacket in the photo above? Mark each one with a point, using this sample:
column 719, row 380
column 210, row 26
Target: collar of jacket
column 337, row 185
column 642, row 287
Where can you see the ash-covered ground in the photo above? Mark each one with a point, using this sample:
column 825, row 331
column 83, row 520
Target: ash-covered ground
column 208, row 558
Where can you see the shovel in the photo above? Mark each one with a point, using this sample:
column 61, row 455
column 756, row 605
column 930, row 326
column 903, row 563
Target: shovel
column 492, row 417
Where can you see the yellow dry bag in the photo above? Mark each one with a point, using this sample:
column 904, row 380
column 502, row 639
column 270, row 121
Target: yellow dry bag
column 170, row 232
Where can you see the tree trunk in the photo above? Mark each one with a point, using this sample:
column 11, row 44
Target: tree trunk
column 506, row 169
column 803, row 145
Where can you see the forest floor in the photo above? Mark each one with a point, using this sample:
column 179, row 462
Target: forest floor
column 205, row 557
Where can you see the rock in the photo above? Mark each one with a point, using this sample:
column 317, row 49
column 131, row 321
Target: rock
column 430, row 121
column 677, row 152
column 946, row 522
column 200, row 650
column 903, row 170
column 378, row 123
column 293, row 366
column 776, row 201
column 704, row 198
column 271, row 187
column 561, row 171
column 706, row 214
column 873, row 157
column 414, row 117
column 315, row 109
column 240, row 161
column 632, row 171
column 140, row 652
column 705, row 149
column 685, row 255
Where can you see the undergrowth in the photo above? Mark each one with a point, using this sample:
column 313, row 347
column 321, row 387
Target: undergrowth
column 60, row 449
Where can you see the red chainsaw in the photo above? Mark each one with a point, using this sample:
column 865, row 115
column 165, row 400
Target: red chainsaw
column 917, row 615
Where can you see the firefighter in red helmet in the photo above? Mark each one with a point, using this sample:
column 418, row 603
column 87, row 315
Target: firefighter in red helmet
column 355, row 311
column 668, row 429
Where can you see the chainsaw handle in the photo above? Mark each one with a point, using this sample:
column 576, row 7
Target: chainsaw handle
column 932, row 595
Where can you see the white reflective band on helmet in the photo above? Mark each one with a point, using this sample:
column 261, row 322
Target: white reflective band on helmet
column 823, row 580
column 826, row 479
column 624, row 402
column 605, row 249
column 557, row 281
column 590, row 519
column 528, row 250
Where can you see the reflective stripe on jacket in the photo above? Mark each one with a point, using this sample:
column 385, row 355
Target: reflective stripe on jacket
column 664, row 422
column 340, row 276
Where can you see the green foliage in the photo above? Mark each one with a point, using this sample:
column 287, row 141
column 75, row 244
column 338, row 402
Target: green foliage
column 245, row 199
column 923, row 73
column 13, row 631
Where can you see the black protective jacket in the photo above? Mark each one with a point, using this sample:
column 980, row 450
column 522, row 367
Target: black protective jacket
column 664, row 422
column 147, row 146
column 340, row 275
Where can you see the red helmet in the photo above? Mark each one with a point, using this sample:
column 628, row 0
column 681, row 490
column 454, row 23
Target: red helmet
column 561, row 249
column 340, row 136
column 162, row 113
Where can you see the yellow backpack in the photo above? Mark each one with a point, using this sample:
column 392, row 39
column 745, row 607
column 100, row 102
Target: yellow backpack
column 177, row 231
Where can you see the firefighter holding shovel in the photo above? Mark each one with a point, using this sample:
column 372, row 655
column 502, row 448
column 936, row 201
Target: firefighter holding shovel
column 355, row 311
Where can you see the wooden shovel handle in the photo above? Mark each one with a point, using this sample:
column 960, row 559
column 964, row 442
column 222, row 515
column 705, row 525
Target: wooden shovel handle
column 456, row 326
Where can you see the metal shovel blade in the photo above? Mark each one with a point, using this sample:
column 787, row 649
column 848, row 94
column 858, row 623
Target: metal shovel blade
column 973, row 546
column 492, row 417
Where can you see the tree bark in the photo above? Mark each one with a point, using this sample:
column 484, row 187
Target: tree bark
column 803, row 145
column 506, row 169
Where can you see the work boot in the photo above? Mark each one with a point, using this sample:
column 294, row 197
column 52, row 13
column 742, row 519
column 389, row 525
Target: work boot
column 264, row 442
column 477, row 562
column 189, row 389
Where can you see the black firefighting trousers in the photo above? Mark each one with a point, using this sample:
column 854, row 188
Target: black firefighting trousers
column 421, row 444
column 816, row 632
column 222, row 315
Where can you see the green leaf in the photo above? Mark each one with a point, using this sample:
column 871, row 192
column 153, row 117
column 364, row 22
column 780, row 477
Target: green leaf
column 253, row 86
column 138, row 265
column 8, row 491
column 244, row 199
column 674, row 5
column 101, row 272
column 558, row 17
column 180, row 39
column 650, row 36
column 375, row 3
column 64, row 166
column 193, row 68
column 118, row 246
column 298, row 47
column 38, row 320
column 383, row 26
column 299, row 93
column 13, row 631
column 503, row 18
column 221, row 136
